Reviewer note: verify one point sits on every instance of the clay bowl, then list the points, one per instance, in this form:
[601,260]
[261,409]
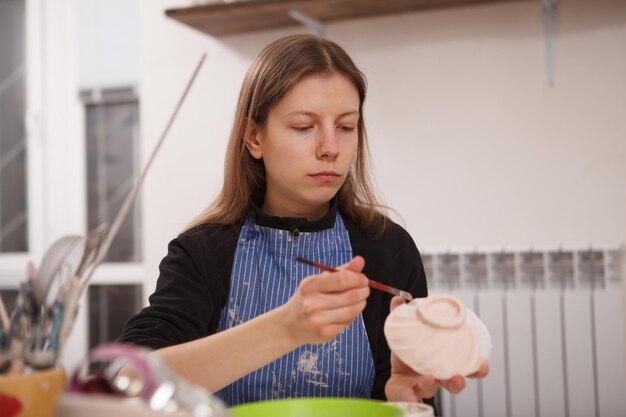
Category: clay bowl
[438,335]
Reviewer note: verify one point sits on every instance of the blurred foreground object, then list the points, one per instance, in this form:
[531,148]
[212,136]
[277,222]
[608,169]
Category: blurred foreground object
[131,381]
[31,395]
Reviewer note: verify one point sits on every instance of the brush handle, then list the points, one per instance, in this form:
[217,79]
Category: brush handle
[384,287]
[374,284]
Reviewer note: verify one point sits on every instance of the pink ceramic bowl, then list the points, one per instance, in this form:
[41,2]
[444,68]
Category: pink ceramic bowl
[438,335]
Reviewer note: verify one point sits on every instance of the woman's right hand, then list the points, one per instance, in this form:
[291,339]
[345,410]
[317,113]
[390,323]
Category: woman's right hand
[324,305]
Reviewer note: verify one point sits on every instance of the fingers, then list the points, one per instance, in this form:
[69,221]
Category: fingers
[408,385]
[401,388]
[327,303]
[340,281]
[410,388]
[454,385]
[356,264]
[426,386]
[321,309]
[326,324]
[457,383]
[482,372]
[344,314]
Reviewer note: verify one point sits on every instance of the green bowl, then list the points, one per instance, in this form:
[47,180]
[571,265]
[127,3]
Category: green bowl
[314,407]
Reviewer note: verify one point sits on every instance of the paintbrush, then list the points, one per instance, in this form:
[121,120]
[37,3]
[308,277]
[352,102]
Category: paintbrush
[78,284]
[4,316]
[374,284]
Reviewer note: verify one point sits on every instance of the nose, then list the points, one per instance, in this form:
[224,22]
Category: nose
[328,147]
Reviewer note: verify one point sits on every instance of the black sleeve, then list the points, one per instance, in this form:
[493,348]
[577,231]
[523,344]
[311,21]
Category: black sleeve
[191,290]
[391,258]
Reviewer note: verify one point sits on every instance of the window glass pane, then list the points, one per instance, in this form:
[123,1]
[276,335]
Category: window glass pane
[9,297]
[110,306]
[112,167]
[13,193]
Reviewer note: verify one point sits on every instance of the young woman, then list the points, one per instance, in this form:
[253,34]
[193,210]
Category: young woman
[233,310]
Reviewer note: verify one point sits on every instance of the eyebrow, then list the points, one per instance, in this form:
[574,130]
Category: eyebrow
[308,113]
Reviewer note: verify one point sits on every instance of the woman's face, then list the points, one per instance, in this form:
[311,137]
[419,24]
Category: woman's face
[307,144]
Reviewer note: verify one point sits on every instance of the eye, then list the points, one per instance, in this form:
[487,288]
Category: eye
[346,128]
[302,128]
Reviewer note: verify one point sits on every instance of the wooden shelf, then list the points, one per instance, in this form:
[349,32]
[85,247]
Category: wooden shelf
[239,16]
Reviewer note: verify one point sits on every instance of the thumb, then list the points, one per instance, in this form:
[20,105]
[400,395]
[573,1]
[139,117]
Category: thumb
[396,301]
[356,264]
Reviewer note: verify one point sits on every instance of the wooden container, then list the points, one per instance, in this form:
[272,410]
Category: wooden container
[31,395]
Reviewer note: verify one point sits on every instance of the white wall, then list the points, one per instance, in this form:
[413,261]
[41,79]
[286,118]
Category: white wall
[107,43]
[469,143]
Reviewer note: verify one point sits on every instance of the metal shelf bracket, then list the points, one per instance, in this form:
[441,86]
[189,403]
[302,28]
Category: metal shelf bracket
[549,27]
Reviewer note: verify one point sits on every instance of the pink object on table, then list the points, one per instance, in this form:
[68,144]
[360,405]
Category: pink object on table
[438,335]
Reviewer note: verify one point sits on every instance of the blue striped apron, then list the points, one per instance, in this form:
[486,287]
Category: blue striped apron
[264,276]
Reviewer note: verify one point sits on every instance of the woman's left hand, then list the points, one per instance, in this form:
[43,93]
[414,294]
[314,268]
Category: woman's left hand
[409,386]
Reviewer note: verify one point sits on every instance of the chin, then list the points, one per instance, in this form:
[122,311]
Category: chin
[320,198]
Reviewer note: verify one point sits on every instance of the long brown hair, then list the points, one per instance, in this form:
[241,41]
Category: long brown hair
[271,75]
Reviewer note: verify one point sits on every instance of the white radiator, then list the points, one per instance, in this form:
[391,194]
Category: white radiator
[557,323]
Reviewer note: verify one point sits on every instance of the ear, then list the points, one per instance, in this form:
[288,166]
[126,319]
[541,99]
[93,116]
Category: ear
[252,140]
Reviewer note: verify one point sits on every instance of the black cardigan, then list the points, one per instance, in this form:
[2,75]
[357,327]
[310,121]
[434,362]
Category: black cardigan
[194,280]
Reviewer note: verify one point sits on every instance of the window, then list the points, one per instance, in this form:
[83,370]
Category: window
[13,192]
[112,166]
[68,167]
[112,120]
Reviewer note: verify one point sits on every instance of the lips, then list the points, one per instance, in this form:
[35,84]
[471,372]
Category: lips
[325,176]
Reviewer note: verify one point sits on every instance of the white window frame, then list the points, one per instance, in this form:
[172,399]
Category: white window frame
[12,264]
[55,131]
